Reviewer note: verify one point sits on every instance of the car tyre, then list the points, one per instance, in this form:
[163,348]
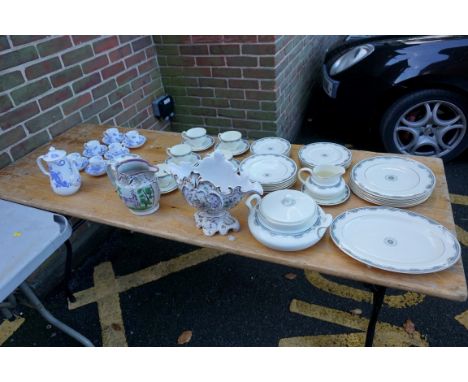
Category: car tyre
[430,122]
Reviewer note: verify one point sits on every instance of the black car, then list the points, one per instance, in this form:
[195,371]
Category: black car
[414,89]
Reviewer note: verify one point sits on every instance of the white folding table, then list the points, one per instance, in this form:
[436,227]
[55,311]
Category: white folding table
[28,236]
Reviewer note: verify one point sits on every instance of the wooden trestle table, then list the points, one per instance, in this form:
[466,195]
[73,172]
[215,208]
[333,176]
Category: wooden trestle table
[96,201]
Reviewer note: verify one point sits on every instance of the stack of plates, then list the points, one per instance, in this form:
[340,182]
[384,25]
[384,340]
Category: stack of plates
[322,153]
[271,145]
[272,171]
[392,181]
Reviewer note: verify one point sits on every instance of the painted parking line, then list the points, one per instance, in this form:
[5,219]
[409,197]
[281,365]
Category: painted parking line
[109,311]
[144,276]
[7,328]
[107,288]
[394,301]
[385,335]
[459,199]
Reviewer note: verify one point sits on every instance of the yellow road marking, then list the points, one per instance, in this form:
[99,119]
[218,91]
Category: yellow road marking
[463,319]
[7,328]
[459,199]
[110,314]
[462,235]
[395,301]
[385,335]
[150,274]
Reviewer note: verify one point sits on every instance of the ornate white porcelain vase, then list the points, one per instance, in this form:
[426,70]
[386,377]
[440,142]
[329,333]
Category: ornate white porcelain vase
[64,176]
[213,188]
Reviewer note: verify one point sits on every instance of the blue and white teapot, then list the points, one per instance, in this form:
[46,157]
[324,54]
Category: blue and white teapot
[64,176]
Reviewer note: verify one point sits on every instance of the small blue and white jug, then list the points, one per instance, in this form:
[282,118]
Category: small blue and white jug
[64,176]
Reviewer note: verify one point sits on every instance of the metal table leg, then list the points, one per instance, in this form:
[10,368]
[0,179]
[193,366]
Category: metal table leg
[68,271]
[377,301]
[36,304]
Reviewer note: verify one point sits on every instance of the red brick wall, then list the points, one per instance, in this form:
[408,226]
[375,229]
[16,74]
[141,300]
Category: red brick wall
[220,82]
[51,83]
[298,69]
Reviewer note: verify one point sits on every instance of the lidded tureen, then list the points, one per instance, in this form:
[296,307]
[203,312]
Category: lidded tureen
[213,187]
[287,220]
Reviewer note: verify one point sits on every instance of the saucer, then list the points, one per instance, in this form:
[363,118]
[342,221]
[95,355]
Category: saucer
[88,154]
[109,155]
[166,190]
[332,202]
[105,139]
[205,146]
[241,149]
[132,145]
[95,171]
[194,159]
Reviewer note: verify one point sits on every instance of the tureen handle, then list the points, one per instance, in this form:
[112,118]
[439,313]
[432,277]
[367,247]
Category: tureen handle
[324,225]
[250,199]
[304,169]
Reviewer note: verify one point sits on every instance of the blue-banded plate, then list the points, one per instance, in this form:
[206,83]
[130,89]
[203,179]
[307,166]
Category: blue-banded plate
[395,240]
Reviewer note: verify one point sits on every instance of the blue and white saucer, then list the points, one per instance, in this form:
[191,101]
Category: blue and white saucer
[88,154]
[108,141]
[95,170]
[109,155]
[134,145]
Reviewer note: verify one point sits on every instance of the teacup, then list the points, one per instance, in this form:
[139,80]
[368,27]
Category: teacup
[132,137]
[195,136]
[117,148]
[227,154]
[78,160]
[112,135]
[93,147]
[324,183]
[230,139]
[180,153]
[97,163]
[165,178]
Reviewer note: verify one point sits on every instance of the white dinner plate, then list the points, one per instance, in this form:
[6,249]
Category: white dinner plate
[268,169]
[271,145]
[321,153]
[395,240]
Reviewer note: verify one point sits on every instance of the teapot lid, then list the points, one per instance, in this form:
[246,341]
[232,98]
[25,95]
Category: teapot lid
[54,155]
[288,207]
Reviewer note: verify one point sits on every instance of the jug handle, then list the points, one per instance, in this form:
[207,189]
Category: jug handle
[41,167]
[250,199]
[304,169]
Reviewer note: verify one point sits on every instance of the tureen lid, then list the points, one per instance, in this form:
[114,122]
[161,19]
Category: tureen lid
[288,207]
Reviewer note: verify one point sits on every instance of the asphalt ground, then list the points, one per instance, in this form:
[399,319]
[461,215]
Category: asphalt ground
[179,295]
